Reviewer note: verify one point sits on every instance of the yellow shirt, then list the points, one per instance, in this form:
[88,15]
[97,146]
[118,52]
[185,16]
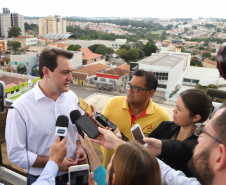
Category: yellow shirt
[117,110]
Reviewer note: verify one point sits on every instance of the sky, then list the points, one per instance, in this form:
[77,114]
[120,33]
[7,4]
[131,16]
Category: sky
[119,8]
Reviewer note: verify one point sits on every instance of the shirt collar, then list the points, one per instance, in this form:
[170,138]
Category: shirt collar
[149,110]
[39,94]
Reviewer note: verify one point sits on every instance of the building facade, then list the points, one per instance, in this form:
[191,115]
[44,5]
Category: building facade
[26,41]
[8,20]
[52,24]
[3,46]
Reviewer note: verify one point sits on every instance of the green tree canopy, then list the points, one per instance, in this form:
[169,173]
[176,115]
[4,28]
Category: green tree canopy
[14,32]
[195,62]
[73,47]
[14,44]
[122,53]
[206,54]
[132,55]
[94,47]
[137,45]
[126,46]
[149,48]
[21,69]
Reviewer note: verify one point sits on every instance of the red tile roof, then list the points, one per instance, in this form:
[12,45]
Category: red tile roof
[88,55]
[12,80]
[115,71]
[90,70]
[125,67]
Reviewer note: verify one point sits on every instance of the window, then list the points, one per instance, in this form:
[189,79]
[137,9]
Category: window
[17,90]
[161,76]
[103,79]
[12,92]
[187,80]
[162,86]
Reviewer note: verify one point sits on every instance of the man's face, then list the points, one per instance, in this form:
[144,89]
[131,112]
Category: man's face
[140,97]
[200,164]
[61,77]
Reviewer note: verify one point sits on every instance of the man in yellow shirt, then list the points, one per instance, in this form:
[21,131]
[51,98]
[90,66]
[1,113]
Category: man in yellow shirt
[135,107]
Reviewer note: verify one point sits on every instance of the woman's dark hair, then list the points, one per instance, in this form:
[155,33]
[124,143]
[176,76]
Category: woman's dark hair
[134,164]
[151,81]
[48,58]
[197,102]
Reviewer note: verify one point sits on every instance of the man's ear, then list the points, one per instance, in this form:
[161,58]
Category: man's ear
[113,178]
[220,158]
[45,72]
[151,93]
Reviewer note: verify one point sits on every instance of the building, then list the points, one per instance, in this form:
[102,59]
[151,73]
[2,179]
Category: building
[89,57]
[58,45]
[200,75]
[8,20]
[3,46]
[26,41]
[118,43]
[86,75]
[168,69]
[30,61]
[209,63]
[113,78]
[52,24]
[44,41]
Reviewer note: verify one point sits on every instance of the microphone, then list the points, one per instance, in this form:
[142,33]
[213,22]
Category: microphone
[75,115]
[61,126]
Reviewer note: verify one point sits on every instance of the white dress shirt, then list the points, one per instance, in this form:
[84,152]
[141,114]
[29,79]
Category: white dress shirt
[38,125]
[174,177]
[48,175]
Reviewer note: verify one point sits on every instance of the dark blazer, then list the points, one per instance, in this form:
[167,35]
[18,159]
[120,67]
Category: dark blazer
[174,153]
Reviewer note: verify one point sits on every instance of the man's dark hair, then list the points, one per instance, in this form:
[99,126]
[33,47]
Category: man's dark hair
[151,81]
[48,58]
[220,125]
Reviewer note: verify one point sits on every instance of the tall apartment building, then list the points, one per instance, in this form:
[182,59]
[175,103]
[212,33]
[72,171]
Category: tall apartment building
[52,24]
[8,20]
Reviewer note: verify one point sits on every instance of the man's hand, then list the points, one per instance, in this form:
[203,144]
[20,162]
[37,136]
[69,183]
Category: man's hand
[107,139]
[80,156]
[86,144]
[155,145]
[67,162]
[58,150]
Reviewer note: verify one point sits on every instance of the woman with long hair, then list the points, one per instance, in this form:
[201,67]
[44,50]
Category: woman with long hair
[174,141]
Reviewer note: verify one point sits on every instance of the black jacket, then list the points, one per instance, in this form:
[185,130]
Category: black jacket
[174,153]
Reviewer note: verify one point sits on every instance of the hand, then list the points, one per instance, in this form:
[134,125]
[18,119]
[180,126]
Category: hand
[58,150]
[66,163]
[155,145]
[107,139]
[80,156]
[91,117]
[86,144]
[116,132]
[91,179]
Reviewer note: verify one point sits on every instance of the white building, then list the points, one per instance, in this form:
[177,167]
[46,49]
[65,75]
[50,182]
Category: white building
[8,20]
[118,43]
[77,59]
[168,70]
[200,75]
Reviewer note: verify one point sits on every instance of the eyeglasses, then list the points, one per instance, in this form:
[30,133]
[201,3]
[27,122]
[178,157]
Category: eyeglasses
[135,89]
[200,128]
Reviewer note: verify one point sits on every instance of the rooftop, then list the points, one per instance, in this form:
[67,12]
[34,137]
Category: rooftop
[88,55]
[12,80]
[160,59]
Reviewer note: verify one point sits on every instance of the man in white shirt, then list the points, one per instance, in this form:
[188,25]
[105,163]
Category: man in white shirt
[31,125]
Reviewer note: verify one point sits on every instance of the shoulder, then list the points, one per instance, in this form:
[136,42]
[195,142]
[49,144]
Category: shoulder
[25,98]
[117,100]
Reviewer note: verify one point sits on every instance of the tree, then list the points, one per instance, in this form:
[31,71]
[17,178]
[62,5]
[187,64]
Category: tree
[14,32]
[102,49]
[75,47]
[206,54]
[194,27]
[21,69]
[126,46]
[14,44]
[122,53]
[149,48]
[137,45]
[94,47]
[201,48]
[195,62]
[141,53]
[214,58]
[218,30]
[132,55]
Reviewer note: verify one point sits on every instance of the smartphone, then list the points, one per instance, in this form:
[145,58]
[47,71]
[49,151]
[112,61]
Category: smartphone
[84,106]
[138,134]
[87,126]
[79,175]
[104,121]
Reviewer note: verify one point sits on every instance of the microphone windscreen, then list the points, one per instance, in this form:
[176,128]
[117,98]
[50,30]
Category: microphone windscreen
[75,115]
[62,121]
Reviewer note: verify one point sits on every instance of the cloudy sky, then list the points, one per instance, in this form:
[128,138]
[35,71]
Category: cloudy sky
[119,8]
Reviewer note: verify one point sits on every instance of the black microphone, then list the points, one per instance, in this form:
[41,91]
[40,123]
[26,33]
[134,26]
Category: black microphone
[75,115]
[61,126]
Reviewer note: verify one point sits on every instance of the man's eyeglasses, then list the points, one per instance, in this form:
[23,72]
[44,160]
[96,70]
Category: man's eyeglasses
[135,89]
[200,128]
